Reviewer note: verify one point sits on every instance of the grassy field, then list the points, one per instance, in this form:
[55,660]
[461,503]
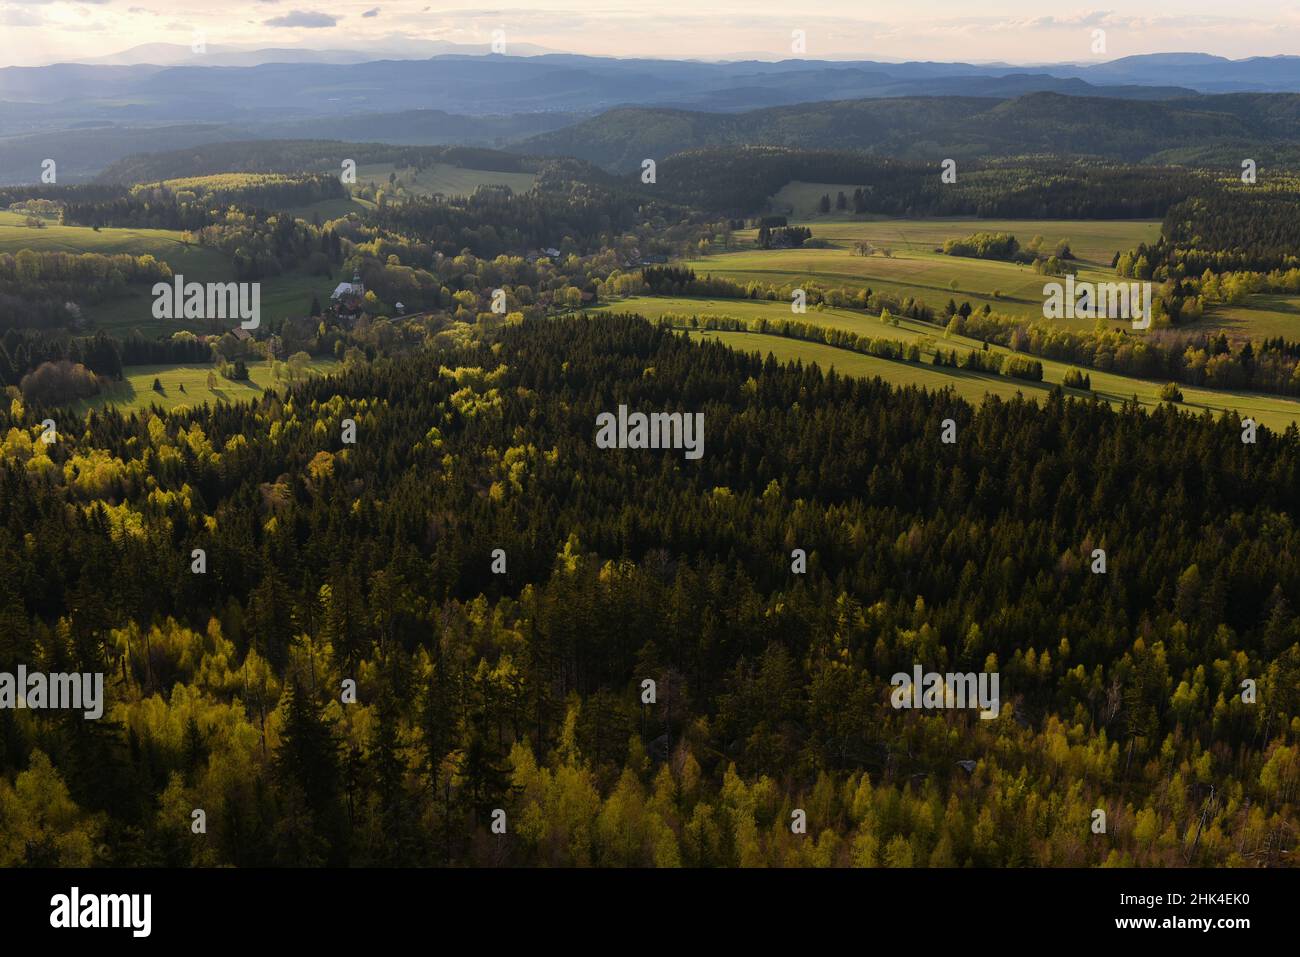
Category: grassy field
[1274,411]
[442,178]
[160,243]
[915,269]
[136,392]
[971,386]
[1093,242]
[328,209]
[800,200]
[656,307]
[134,310]
[282,296]
[1264,315]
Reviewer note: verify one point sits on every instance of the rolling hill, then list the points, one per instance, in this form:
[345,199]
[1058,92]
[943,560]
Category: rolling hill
[294,156]
[85,153]
[1218,130]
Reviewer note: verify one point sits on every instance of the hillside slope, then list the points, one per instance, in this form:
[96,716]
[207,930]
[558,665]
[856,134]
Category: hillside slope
[1216,129]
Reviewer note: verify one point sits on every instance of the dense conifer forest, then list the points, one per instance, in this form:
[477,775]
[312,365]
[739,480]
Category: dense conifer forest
[521,690]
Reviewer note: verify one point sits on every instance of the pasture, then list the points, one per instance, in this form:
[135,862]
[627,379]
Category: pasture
[136,391]
[443,178]
[283,296]
[1271,410]
[1264,315]
[167,244]
[905,262]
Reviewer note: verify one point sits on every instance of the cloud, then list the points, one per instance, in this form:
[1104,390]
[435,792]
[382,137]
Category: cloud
[304,18]
[13,17]
[372,12]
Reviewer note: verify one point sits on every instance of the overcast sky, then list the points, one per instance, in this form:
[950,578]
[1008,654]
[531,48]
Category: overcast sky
[44,31]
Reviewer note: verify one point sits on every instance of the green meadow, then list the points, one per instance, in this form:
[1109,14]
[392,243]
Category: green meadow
[282,297]
[800,201]
[136,391]
[1274,411]
[443,178]
[1264,315]
[167,244]
[1093,242]
[328,209]
[906,264]
[913,267]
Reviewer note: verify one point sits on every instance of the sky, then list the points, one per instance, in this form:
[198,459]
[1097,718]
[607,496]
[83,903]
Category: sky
[45,31]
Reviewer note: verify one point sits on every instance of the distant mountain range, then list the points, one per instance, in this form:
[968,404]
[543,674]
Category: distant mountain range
[391,47]
[274,84]
[615,112]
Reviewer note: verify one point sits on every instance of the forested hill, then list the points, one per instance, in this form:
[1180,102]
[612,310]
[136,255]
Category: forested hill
[1209,129]
[742,180]
[301,155]
[521,690]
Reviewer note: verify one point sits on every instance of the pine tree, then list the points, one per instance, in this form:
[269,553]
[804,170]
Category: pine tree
[307,768]
[387,771]
[483,774]
[435,727]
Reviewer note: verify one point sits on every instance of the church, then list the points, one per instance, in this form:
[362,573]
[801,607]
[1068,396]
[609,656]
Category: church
[355,289]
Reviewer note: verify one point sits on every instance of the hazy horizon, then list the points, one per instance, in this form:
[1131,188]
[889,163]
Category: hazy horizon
[52,31]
